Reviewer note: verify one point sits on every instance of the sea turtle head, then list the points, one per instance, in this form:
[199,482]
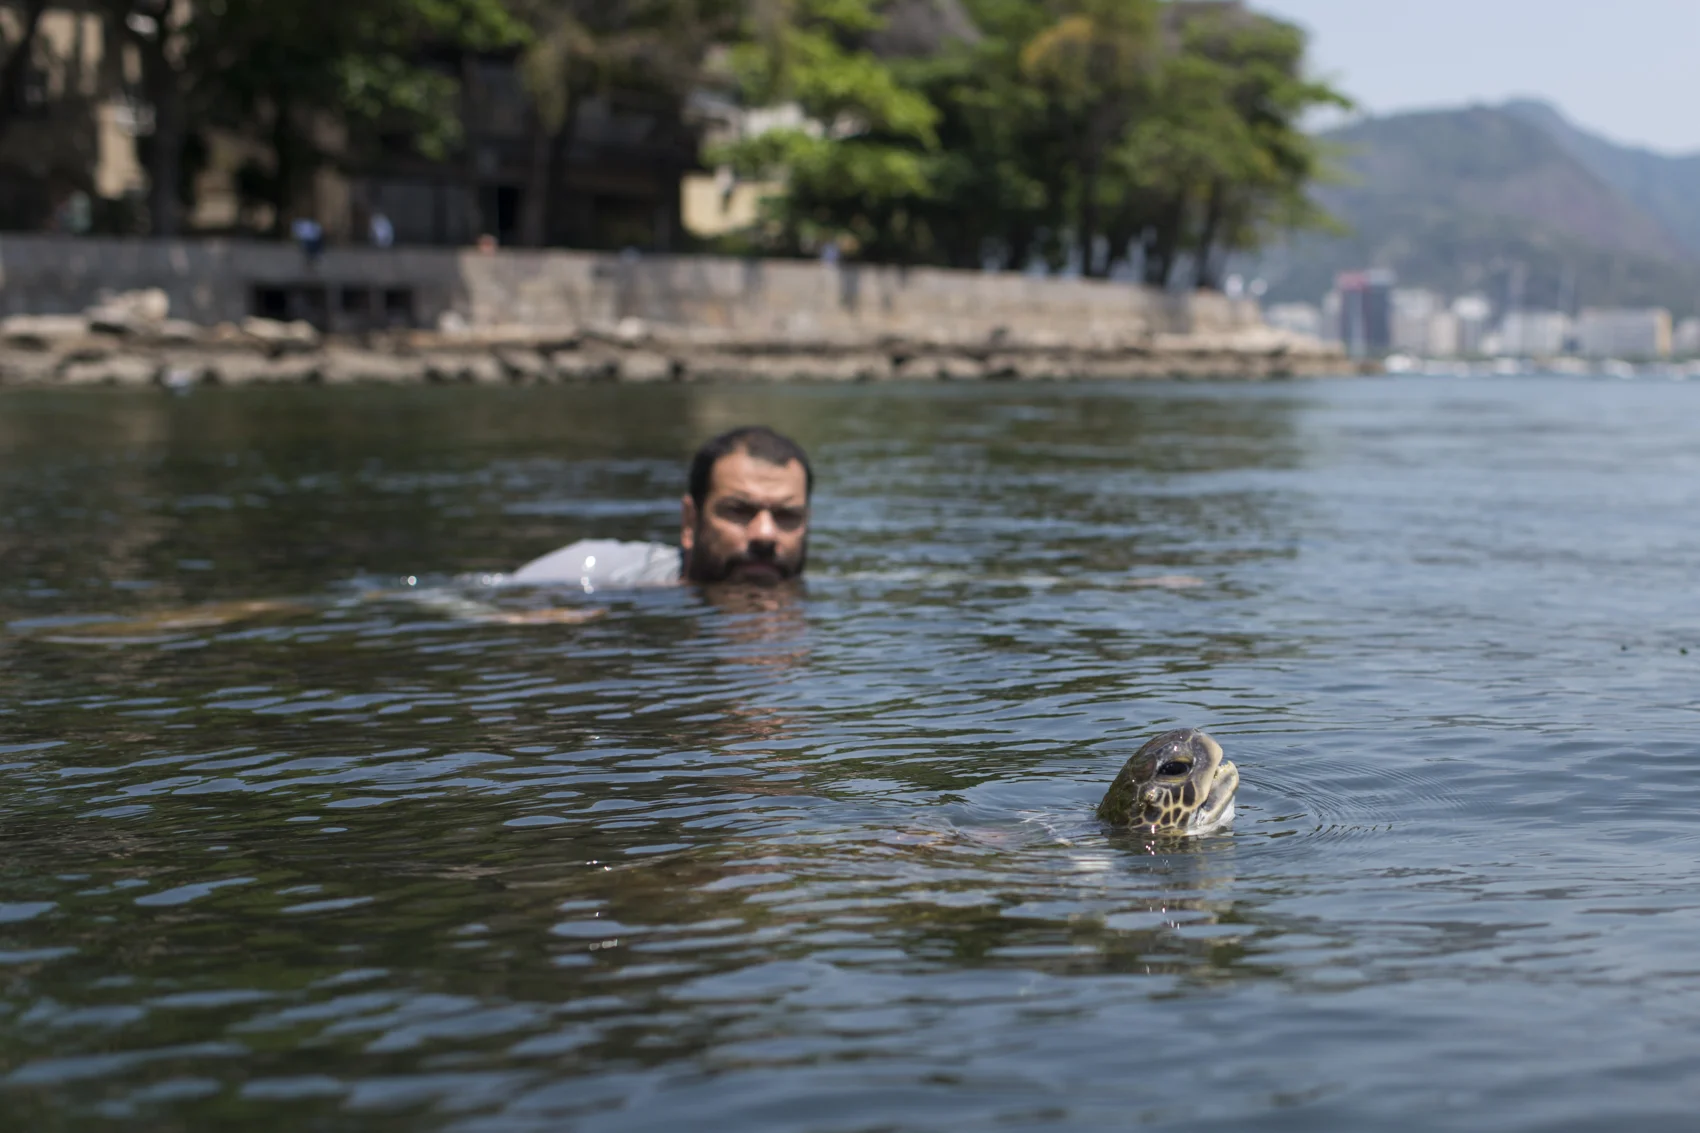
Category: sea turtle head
[1178,783]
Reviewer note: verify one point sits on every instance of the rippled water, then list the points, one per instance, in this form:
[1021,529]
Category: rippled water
[829,863]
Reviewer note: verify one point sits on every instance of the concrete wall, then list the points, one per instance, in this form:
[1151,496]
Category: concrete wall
[213,281]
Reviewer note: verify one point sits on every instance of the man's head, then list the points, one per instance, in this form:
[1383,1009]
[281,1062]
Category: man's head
[746,517]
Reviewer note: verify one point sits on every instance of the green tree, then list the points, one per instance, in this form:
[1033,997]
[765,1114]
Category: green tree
[18,51]
[1098,64]
[1255,178]
[295,74]
[858,161]
[998,177]
[1067,129]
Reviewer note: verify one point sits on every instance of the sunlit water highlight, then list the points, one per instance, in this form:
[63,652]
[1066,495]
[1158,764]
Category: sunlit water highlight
[743,863]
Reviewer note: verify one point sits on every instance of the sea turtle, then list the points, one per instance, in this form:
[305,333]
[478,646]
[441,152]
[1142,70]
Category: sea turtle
[1178,783]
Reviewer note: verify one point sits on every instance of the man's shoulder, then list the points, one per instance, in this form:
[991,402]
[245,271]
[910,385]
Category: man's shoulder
[599,564]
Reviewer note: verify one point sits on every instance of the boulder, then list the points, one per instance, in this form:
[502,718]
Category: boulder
[297,368]
[486,370]
[760,368]
[860,367]
[458,366]
[130,312]
[177,332]
[232,368]
[280,337]
[940,367]
[646,366]
[583,365]
[42,332]
[118,370]
[711,366]
[1032,367]
[448,367]
[341,366]
[524,365]
[31,367]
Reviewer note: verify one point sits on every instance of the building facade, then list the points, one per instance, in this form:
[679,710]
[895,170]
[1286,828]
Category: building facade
[1534,334]
[72,142]
[1366,312]
[1626,334]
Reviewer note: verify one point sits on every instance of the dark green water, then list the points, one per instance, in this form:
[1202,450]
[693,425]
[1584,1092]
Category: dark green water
[828,864]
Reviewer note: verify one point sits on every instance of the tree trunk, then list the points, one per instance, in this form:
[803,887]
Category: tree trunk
[534,208]
[555,171]
[1088,234]
[165,155]
[1164,242]
[1119,234]
[12,74]
[1204,276]
[283,171]
[471,107]
[1020,246]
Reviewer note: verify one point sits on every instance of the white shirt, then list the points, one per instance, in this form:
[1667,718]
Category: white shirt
[605,564]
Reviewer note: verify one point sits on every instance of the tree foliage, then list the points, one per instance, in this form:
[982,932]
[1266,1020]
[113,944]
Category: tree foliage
[293,75]
[1070,131]
[859,162]
[1079,133]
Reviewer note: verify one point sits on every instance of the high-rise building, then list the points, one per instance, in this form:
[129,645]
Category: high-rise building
[1627,334]
[1366,311]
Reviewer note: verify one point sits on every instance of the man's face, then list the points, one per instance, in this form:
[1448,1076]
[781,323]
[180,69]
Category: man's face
[753,525]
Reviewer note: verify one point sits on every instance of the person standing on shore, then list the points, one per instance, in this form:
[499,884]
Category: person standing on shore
[744,518]
[310,235]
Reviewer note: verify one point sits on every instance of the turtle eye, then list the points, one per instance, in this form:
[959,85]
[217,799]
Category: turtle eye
[1174,767]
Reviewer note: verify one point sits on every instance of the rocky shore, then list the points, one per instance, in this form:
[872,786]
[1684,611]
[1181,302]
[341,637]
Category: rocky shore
[131,341]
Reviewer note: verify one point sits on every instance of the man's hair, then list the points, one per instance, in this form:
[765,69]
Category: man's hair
[760,442]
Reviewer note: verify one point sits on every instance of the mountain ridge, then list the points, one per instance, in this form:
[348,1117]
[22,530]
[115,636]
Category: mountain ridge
[1666,186]
[1513,200]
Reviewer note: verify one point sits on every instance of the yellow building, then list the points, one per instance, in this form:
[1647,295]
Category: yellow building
[717,204]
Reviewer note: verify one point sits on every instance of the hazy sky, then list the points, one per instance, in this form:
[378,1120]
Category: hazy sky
[1629,69]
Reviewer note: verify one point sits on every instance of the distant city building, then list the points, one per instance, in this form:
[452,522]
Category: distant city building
[1300,318]
[1366,311]
[1626,334]
[1443,335]
[1534,334]
[1472,313]
[1331,317]
[1414,311]
[1686,340]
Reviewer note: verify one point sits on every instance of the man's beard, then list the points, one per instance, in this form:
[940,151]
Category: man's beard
[758,564]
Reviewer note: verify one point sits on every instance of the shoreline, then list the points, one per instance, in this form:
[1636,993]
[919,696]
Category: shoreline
[91,350]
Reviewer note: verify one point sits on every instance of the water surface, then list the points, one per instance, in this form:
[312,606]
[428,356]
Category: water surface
[827,863]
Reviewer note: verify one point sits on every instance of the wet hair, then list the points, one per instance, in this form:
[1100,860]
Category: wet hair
[760,442]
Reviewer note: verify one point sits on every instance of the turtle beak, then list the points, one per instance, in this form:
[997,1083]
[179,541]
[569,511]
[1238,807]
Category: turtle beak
[1218,803]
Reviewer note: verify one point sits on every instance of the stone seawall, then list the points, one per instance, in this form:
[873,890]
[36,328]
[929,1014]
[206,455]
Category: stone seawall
[135,311]
[208,282]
